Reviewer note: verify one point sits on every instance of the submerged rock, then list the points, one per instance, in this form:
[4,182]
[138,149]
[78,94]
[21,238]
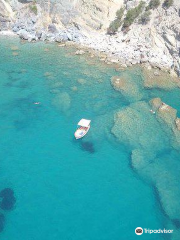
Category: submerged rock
[62,101]
[8,199]
[2,222]
[81,81]
[130,88]
[148,156]
[54,91]
[176,222]
[14,48]
[178,123]
[79,52]
[23,70]
[48,74]
[167,114]
[156,103]
[163,172]
[15,53]
[8,203]
[74,88]
[57,85]
[167,117]
[149,137]
[140,160]
[135,126]
[6,192]
[159,79]
[20,125]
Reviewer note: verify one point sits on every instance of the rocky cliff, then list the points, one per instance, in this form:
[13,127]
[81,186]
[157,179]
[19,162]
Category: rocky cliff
[157,42]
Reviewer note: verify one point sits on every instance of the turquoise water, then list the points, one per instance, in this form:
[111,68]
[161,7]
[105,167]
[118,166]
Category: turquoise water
[67,189]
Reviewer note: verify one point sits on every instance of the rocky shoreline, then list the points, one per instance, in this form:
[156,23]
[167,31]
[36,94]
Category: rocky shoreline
[84,45]
[85,24]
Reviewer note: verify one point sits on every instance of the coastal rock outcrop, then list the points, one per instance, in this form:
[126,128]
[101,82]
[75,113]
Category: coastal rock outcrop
[86,23]
[137,127]
[160,80]
[177,121]
[167,117]
[162,172]
[150,137]
[129,88]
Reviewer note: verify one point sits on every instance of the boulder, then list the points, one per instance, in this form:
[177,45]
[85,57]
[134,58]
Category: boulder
[38,34]
[15,29]
[79,52]
[43,36]
[156,103]
[52,28]
[61,37]
[23,34]
[69,36]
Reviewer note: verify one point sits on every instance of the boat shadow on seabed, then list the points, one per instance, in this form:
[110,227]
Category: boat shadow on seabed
[85,145]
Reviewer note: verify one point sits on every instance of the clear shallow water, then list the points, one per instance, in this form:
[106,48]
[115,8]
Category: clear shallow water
[67,189]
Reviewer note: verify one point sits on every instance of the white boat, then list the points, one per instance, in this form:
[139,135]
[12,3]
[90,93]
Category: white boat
[83,128]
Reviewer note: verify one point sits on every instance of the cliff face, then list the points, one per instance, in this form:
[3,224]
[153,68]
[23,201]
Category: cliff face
[86,22]
[87,13]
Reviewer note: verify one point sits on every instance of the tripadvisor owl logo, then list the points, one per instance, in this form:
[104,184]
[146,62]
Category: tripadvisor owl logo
[139,231]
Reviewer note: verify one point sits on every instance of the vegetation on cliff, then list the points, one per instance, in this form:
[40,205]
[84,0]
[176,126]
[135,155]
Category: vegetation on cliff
[153,4]
[132,14]
[33,7]
[145,18]
[117,22]
[168,3]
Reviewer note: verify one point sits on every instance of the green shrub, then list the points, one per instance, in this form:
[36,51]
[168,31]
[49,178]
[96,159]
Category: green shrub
[132,14]
[33,8]
[168,3]
[145,18]
[114,26]
[153,4]
[119,13]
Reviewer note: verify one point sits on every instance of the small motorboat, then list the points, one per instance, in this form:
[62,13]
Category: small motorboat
[83,128]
